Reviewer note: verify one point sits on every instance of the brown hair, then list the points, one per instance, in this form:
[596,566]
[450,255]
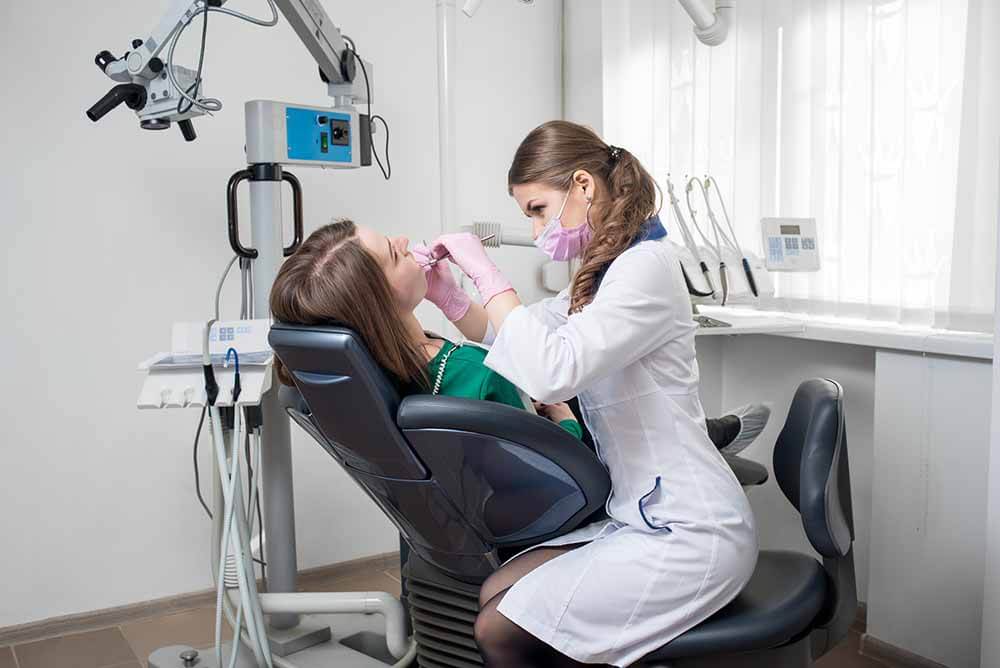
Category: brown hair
[551,153]
[332,279]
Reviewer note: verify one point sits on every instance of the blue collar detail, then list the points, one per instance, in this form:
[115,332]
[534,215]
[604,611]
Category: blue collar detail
[651,230]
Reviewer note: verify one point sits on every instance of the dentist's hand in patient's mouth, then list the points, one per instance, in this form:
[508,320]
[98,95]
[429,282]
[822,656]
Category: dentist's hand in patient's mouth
[468,254]
[555,412]
[442,290]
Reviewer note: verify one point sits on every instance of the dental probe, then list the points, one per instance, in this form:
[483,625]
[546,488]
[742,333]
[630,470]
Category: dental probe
[434,261]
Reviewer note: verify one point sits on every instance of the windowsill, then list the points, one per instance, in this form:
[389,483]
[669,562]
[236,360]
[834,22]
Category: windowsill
[851,331]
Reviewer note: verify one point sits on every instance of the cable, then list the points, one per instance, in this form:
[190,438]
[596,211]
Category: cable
[385,173]
[255,504]
[205,355]
[243,288]
[734,243]
[233,610]
[246,289]
[201,61]
[197,476]
[731,242]
[209,104]
[246,453]
[251,309]
[218,288]
[717,248]
[681,225]
[387,169]
[230,486]
[265,23]
[236,538]
[251,490]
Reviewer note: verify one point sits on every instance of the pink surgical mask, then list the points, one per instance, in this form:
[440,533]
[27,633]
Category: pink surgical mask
[561,243]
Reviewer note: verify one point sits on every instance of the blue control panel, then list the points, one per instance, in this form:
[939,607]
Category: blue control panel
[320,136]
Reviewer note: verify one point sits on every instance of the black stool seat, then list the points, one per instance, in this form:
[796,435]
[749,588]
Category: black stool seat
[749,473]
[784,596]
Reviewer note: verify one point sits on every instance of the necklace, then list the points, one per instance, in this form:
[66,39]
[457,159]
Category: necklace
[440,373]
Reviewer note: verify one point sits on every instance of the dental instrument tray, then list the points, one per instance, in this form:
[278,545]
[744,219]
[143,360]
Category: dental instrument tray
[175,379]
[194,361]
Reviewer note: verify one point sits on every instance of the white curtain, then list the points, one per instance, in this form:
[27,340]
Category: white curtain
[877,117]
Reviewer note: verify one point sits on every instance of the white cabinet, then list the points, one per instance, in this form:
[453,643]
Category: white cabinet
[929,490]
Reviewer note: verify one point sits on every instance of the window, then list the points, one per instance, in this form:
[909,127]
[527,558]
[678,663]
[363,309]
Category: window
[877,117]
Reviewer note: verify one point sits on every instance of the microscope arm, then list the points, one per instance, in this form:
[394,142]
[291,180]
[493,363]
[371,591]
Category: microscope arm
[139,71]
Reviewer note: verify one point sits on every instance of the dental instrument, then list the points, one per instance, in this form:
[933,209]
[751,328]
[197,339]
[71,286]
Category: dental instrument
[731,241]
[717,246]
[691,245]
[434,261]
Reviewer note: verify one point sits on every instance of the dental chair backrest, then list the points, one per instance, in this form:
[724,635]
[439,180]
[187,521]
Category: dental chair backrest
[811,468]
[462,480]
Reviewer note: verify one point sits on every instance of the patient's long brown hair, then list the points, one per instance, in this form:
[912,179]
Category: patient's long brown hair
[551,153]
[333,280]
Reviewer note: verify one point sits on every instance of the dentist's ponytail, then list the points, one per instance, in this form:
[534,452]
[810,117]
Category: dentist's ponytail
[551,153]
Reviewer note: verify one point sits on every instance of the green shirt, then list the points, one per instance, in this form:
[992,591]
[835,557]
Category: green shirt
[466,376]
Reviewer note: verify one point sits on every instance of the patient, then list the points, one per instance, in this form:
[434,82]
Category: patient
[353,276]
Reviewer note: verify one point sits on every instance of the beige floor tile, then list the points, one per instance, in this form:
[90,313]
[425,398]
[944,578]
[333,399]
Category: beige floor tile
[197,628]
[376,581]
[194,627]
[394,575]
[95,649]
[846,655]
[7,658]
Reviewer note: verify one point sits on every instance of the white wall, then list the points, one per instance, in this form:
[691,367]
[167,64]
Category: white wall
[583,68]
[114,233]
[509,81]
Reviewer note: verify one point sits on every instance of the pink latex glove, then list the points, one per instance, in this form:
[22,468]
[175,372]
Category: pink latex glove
[467,252]
[442,290]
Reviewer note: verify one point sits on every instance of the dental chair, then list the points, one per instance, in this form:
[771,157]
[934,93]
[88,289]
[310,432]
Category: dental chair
[469,483]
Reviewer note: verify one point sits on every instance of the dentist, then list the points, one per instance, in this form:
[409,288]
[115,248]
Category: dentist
[679,542]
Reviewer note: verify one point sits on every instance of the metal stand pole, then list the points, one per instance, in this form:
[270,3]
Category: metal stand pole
[276,454]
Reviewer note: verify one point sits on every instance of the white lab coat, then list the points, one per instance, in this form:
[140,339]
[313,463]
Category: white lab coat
[681,542]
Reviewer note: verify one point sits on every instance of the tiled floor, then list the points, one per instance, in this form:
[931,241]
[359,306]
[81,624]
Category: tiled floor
[846,655]
[97,649]
[128,645]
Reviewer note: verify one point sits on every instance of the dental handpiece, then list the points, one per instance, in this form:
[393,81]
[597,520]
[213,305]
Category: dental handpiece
[434,261]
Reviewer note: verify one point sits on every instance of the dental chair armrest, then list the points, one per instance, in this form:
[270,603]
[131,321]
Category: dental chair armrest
[749,473]
[425,411]
[488,418]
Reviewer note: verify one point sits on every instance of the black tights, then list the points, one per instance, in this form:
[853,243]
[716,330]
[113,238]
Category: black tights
[503,643]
